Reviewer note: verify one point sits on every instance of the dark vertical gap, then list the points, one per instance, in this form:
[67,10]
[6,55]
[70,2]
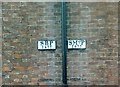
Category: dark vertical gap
[64,42]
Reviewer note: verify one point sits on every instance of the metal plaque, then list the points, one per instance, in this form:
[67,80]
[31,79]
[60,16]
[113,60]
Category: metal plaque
[46,45]
[76,44]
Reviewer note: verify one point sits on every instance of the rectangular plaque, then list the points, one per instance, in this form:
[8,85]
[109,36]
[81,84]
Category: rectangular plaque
[46,45]
[76,44]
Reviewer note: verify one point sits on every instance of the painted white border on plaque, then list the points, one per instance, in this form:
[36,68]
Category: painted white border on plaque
[46,44]
[76,44]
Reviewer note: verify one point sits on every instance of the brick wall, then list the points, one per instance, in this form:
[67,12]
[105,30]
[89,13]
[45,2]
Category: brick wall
[97,23]
[26,23]
[23,25]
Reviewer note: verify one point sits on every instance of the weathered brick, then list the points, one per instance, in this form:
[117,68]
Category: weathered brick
[99,31]
[6,69]
[27,22]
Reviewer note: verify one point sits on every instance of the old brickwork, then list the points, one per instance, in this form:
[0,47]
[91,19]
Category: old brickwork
[27,22]
[23,25]
[97,23]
